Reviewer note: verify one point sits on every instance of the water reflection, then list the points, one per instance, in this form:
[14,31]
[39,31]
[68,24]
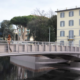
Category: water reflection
[51,75]
[12,74]
[9,71]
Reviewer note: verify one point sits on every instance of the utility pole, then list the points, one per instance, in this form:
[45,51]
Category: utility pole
[49,34]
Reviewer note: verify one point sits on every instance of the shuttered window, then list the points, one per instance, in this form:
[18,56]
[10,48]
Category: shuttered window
[62,23]
[79,21]
[79,12]
[71,34]
[79,42]
[71,22]
[62,14]
[71,13]
[62,33]
[79,32]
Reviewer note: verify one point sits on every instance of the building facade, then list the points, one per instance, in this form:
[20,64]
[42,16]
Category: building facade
[24,34]
[68,26]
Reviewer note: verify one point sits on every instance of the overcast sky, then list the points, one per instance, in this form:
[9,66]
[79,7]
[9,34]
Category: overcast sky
[11,8]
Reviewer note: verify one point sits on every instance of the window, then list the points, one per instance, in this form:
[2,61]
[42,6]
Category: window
[0,25]
[79,42]
[79,32]
[71,22]
[71,34]
[79,21]
[71,13]
[62,33]
[79,12]
[19,32]
[62,23]
[61,42]
[23,29]
[62,14]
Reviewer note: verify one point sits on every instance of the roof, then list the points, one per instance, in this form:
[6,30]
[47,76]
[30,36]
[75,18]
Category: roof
[68,9]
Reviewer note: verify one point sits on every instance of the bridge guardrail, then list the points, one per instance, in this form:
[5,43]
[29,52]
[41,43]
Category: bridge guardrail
[36,46]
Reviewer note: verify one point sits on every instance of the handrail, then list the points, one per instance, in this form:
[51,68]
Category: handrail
[37,46]
[39,42]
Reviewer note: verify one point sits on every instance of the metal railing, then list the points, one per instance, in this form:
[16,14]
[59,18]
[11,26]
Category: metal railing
[71,37]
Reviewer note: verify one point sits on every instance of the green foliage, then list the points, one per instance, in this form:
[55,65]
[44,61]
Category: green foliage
[6,28]
[52,22]
[22,20]
[39,28]
[38,25]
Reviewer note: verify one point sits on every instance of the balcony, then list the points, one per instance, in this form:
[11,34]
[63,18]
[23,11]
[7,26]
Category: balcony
[70,38]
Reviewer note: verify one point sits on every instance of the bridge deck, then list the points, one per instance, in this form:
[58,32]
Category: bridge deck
[33,48]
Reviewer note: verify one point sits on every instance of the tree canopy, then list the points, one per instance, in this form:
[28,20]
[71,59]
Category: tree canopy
[38,28]
[38,25]
[6,28]
[22,20]
[52,22]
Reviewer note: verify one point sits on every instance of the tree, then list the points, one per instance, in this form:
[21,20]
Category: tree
[52,22]
[22,21]
[39,28]
[6,28]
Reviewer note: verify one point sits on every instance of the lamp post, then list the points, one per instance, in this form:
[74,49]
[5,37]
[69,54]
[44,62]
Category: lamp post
[18,32]
[49,34]
[28,31]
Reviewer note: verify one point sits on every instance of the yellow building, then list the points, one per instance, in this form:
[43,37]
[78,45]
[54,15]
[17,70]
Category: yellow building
[68,26]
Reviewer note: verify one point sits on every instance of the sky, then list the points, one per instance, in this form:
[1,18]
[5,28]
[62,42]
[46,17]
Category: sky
[12,8]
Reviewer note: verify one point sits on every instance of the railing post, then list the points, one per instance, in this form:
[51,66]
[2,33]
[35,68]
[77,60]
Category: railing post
[71,48]
[18,47]
[49,47]
[62,47]
[25,47]
[75,48]
[8,49]
[35,46]
[79,49]
[43,46]
[56,46]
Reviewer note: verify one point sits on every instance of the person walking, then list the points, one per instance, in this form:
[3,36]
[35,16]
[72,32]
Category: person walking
[9,40]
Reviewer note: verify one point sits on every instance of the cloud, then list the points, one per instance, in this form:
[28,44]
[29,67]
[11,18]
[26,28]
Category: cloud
[11,8]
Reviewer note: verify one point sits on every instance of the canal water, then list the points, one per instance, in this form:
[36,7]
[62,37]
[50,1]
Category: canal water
[11,74]
[9,71]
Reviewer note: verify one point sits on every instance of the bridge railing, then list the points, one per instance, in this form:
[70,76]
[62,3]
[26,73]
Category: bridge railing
[36,46]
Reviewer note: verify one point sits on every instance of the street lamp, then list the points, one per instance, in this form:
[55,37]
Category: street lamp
[18,32]
[49,34]
[28,31]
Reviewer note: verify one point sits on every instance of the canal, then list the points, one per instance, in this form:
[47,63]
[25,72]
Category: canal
[9,71]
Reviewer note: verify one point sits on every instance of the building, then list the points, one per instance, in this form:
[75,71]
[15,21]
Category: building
[24,34]
[68,26]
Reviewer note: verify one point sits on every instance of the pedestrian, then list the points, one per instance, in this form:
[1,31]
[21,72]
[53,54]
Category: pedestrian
[9,40]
